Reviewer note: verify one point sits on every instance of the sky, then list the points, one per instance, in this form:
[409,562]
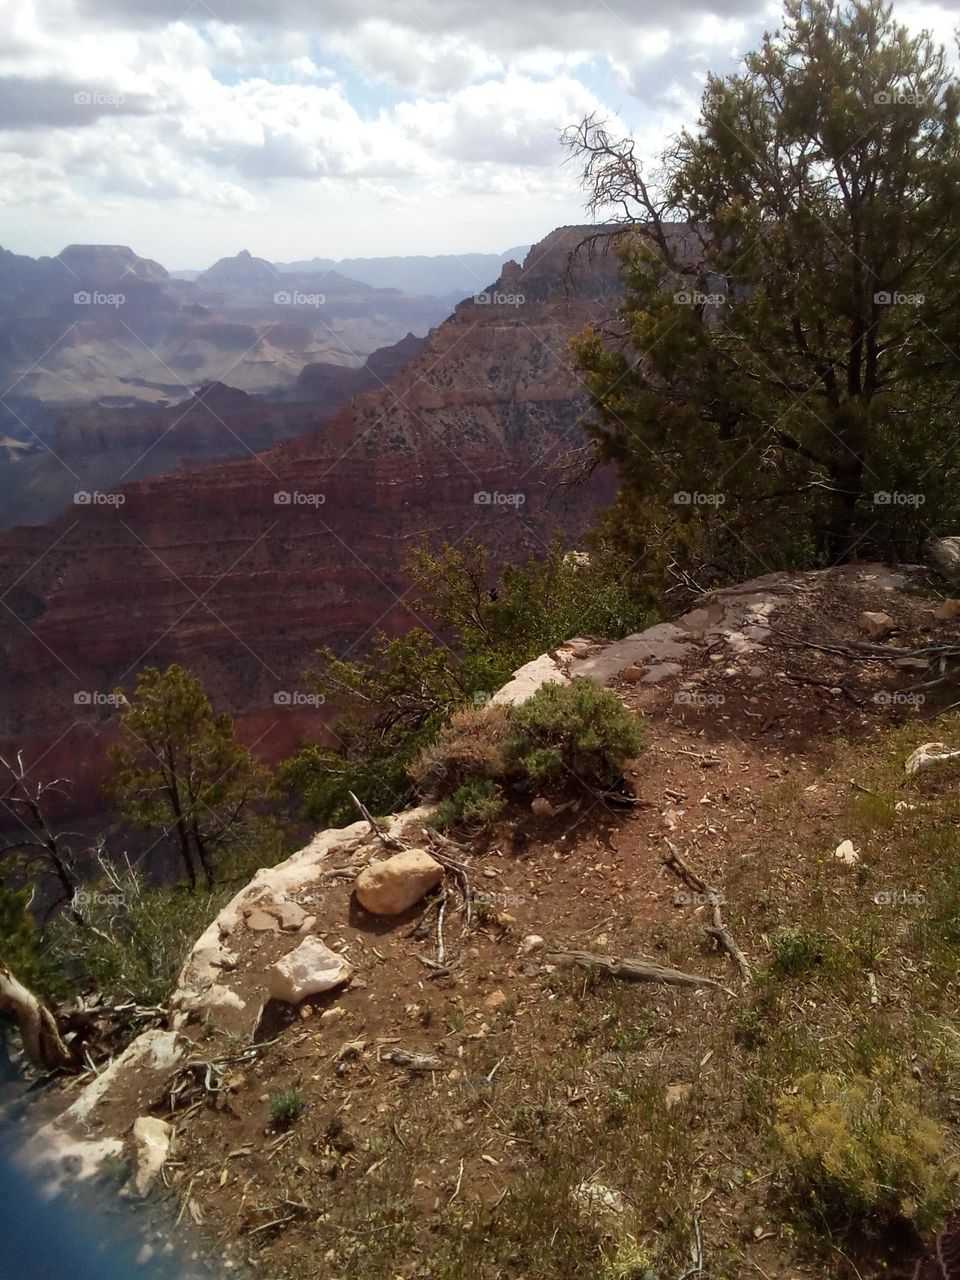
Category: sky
[337,128]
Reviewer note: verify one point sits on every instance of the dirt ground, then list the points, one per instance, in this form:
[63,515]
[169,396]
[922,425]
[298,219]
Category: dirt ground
[388,1169]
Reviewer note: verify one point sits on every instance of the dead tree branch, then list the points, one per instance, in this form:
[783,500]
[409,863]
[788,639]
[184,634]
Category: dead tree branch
[632,970]
[717,929]
[38,1027]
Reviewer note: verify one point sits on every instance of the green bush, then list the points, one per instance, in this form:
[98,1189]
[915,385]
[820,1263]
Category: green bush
[472,807]
[565,733]
[286,1107]
[859,1146]
[798,952]
[576,731]
[18,935]
[394,702]
[133,940]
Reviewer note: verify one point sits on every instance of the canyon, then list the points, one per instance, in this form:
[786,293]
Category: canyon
[98,324]
[90,448]
[241,571]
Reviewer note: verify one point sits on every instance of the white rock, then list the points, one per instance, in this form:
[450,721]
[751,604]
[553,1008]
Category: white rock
[151,1138]
[929,754]
[390,887]
[532,942]
[528,679]
[594,1195]
[307,971]
[846,853]
[944,555]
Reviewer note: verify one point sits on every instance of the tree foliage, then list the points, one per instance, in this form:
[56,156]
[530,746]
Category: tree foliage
[184,771]
[18,933]
[476,632]
[784,390]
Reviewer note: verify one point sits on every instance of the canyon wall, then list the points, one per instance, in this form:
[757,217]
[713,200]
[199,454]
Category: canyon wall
[241,571]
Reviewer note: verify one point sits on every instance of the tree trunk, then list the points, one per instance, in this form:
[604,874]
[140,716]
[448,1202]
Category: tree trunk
[204,856]
[38,1028]
[846,477]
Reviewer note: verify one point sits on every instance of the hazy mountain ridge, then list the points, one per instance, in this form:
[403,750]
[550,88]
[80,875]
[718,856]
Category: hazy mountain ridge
[98,324]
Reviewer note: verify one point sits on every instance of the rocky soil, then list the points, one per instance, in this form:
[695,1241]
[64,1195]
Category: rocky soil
[442,1066]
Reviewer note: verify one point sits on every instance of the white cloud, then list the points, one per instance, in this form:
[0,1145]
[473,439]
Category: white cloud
[335,120]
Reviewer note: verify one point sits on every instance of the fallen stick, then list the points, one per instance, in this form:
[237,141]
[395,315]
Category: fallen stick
[412,1061]
[458,869]
[441,950]
[388,842]
[826,684]
[632,970]
[717,930]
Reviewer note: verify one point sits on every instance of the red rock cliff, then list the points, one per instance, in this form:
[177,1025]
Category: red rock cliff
[241,571]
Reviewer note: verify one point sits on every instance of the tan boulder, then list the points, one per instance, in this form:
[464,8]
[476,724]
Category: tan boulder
[876,625]
[949,611]
[390,887]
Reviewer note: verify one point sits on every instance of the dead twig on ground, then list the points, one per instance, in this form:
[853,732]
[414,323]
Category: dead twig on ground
[696,1253]
[717,929]
[202,1078]
[819,683]
[457,868]
[865,651]
[412,1061]
[441,950]
[388,841]
[632,970]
